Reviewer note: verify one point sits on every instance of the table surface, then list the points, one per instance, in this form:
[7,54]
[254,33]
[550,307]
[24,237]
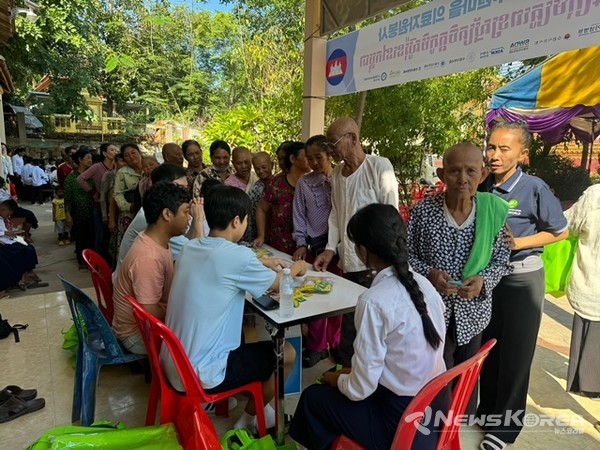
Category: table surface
[341,299]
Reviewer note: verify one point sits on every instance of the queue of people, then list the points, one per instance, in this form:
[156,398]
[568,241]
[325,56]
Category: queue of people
[466,268]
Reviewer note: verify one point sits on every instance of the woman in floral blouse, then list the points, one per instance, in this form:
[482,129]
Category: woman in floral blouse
[278,199]
[126,183]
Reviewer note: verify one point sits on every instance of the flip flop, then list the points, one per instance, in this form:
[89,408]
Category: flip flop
[23,394]
[15,407]
[37,284]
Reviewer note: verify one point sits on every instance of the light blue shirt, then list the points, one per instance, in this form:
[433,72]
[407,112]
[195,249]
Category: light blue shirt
[206,303]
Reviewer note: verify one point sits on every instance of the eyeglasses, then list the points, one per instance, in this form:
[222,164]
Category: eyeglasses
[332,145]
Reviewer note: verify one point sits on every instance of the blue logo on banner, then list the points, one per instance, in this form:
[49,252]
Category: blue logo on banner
[336,67]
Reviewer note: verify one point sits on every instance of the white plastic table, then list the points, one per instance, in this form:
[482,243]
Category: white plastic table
[340,300]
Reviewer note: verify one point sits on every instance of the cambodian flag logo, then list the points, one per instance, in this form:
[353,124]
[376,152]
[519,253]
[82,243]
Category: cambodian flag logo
[336,67]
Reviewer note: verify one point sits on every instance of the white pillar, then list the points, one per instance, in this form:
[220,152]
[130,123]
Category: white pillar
[315,53]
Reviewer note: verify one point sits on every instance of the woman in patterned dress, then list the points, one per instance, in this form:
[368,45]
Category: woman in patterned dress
[277,202]
[79,205]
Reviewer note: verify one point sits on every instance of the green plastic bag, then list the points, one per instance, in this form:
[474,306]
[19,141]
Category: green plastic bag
[558,262]
[106,436]
[241,439]
[71,343]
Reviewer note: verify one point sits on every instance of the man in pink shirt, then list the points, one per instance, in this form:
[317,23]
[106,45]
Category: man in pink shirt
[147,271]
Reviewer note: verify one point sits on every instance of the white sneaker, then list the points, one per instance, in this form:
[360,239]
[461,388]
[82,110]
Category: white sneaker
[211,408]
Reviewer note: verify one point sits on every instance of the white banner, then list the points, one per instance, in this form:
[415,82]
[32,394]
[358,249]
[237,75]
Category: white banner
[450,36]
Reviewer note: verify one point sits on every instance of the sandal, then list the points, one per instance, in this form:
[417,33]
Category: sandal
[11,390]
[491,442]
[37,284]
[311,358]
[15,407]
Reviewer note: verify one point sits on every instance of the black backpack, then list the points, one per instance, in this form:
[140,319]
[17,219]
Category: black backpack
[6,329]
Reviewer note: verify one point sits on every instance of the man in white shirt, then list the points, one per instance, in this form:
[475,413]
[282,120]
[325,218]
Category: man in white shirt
[358,180]
[39,182]
[17,162]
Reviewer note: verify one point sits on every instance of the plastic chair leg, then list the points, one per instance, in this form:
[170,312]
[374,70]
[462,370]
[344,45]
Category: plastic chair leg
[222,409]
[91,370]
[76,409]
[153,401]
[260,412]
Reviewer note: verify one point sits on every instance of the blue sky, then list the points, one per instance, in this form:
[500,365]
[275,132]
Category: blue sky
[210,5]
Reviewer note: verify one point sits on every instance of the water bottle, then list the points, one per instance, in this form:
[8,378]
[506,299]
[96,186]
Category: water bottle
[286,295]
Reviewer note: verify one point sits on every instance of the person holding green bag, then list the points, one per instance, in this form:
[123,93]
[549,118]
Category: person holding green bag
[582,293]
[536,219]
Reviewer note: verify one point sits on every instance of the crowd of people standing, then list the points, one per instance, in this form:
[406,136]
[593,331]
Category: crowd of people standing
[465,269]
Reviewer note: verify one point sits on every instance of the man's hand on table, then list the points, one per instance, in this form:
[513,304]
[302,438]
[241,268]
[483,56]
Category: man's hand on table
[275,264]
[322,261]
[300,253]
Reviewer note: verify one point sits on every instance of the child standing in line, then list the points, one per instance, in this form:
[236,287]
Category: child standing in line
[59,217]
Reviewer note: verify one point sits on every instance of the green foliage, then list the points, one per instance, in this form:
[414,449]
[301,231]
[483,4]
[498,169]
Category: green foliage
[567,181]
[407,121]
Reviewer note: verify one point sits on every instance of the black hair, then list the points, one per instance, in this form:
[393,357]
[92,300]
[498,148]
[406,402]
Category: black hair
[520,126]
[164,194]
[104,148]
[294,148]
[283,146]
[187,144]
[217,145]
[19,150]
[380,229]
[207,185]
[2,182]
[167,172]
[223,203]
[126,146]
[319,140]
[81,153]
[11,204]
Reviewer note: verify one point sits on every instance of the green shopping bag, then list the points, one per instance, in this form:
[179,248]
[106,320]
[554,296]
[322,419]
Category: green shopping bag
[107,436]
[558,262]
[241,439]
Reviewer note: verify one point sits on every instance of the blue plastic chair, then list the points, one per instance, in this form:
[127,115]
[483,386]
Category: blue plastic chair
[98,346]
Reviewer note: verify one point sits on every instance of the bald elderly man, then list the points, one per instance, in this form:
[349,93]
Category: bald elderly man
[172,154]
[458,240]
[357,181]
[243,178]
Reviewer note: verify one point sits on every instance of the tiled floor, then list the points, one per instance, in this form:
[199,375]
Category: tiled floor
[38,361]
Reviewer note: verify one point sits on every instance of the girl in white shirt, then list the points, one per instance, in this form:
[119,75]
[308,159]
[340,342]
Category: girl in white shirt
[398,348]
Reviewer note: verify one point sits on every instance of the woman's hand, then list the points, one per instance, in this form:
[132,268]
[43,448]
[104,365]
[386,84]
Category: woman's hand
[441,282]
[10,234]
[275,264]
[331,378]
[258,242]
[69,220]
[112,225]
[300,253]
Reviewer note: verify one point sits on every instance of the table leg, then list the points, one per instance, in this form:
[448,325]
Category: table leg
[279,340]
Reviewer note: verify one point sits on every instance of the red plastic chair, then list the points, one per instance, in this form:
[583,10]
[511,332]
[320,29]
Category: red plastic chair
[466,375]
[195,429]
[155,333]
[102,279]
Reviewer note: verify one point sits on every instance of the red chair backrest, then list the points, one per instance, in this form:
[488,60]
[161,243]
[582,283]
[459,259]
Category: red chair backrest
[156,335]
[466,375]
[102,280]
[195,429]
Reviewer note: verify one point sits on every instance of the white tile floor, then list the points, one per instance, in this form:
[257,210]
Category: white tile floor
[38,361]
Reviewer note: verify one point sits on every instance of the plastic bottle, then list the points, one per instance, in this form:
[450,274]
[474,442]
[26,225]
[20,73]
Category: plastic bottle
[286,295]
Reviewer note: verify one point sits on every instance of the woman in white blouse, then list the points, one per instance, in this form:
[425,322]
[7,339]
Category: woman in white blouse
[398,348]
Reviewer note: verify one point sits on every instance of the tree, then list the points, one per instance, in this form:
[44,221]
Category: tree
[63,43]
